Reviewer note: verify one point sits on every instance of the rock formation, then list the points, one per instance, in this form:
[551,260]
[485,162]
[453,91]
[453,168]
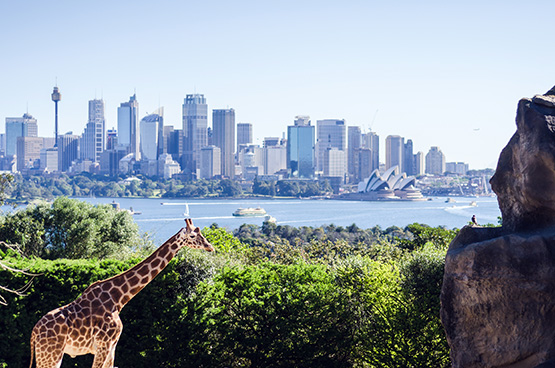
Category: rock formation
[498,294]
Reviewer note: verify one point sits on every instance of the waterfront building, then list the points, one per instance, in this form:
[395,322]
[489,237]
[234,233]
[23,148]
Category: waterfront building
[435,161]
[300,148]
[331,133]
[68,150]
[391,185]
[93,141]
[28,152]
[244,134]
[128,126]
[195,131]
[394,146]
[354,137]
[459,168]
[152,135]
[223,124]
[25,126]
[210,162]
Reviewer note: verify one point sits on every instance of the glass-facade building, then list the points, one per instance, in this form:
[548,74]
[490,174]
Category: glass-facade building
[195,130]
[223,124]
[300,149]
[128,126]
[25,126]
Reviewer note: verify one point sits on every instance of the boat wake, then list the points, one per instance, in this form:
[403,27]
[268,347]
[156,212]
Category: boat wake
[182,218]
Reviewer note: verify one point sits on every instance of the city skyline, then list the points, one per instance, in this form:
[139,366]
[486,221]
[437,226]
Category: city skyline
[440,74]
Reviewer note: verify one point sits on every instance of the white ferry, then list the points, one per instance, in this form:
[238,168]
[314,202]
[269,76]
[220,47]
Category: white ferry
[249,212]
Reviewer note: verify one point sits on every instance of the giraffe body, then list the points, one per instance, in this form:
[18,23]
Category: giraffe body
[91,324]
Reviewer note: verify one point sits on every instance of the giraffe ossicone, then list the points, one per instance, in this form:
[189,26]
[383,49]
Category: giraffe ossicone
[91,324]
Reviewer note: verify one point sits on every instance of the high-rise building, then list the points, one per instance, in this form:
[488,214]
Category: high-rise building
[435,161]
[111,138]
[195,130]
[28,152]
[371,141]
[128,126]
[419,166]
[152,135]
[459,168]
[408,158]
[175,144]
[365,166]
[334,163]
[68,150]
[25,126]
[394,149]
[331,133]
[49,159]
[354,137]
[275,158]
[93,142]
[300,148]
[210,162]
[223,123]
[244,134]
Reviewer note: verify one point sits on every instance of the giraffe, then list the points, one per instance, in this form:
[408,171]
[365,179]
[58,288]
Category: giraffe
[91,324]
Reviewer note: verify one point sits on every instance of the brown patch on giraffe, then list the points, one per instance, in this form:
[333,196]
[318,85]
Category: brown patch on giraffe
[155,263]
[133,280]
[143,271]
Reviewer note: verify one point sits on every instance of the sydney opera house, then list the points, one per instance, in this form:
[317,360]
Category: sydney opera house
[391,185]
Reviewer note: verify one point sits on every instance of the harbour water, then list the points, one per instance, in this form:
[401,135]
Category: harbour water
[161,218]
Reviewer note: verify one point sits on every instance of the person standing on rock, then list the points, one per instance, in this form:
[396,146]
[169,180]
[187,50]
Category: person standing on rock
[474,222]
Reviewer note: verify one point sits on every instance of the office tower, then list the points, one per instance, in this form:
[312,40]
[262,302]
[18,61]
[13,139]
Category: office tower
[300,148]
[195,130]
[175,144]
[371,141]
[56,97]
[25,126]
[331,133]
[210,162]
[334,162]
[244,134]
[128,126]
[223,123]
[459,168]
[271,141]
[49,159]
[152,135]
[394,147]
[354,138]
[2,144]
[167,167]
[68,150]
[28,152]
[111,139]
[408,158]
[435,161]
[275,158]
[93,142]
[109,161]
[419,167]
[365,165]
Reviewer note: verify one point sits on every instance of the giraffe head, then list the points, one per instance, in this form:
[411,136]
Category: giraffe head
[194,238]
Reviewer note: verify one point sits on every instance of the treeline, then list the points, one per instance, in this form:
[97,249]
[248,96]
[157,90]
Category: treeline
[270,296]
[90,185]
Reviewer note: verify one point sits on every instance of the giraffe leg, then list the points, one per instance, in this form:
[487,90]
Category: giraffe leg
[104,356]
[50,355]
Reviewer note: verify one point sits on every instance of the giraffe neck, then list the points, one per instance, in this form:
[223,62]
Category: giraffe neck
[126,285]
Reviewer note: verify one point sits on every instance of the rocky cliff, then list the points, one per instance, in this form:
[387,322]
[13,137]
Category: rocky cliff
[498,295]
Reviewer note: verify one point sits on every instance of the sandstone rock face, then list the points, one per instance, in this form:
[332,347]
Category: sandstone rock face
[498,294]
[524,180]
[498,298]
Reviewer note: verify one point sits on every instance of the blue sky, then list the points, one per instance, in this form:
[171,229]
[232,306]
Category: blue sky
[445,74]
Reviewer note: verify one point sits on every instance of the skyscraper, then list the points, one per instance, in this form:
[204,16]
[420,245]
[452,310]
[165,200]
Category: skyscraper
[152,138]
[25,126]
[68,149]
[408,158]
[210,162]
[93,136]
[331,133]
[195,134]
[223,123]
[435,161]
[244,134]
[128,126]
[394,148]
[354,137]
[300,148]
[372,141]
[28,152]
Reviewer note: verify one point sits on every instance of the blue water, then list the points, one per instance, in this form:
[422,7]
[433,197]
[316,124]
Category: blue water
[162,220]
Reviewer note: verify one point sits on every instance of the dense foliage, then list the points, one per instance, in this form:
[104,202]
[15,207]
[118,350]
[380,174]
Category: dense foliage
[89,185]
[271,296]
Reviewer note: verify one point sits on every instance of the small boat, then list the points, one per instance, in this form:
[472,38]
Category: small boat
[473,204]
[249,212]
[116,206]
[270,218]
[450,200]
